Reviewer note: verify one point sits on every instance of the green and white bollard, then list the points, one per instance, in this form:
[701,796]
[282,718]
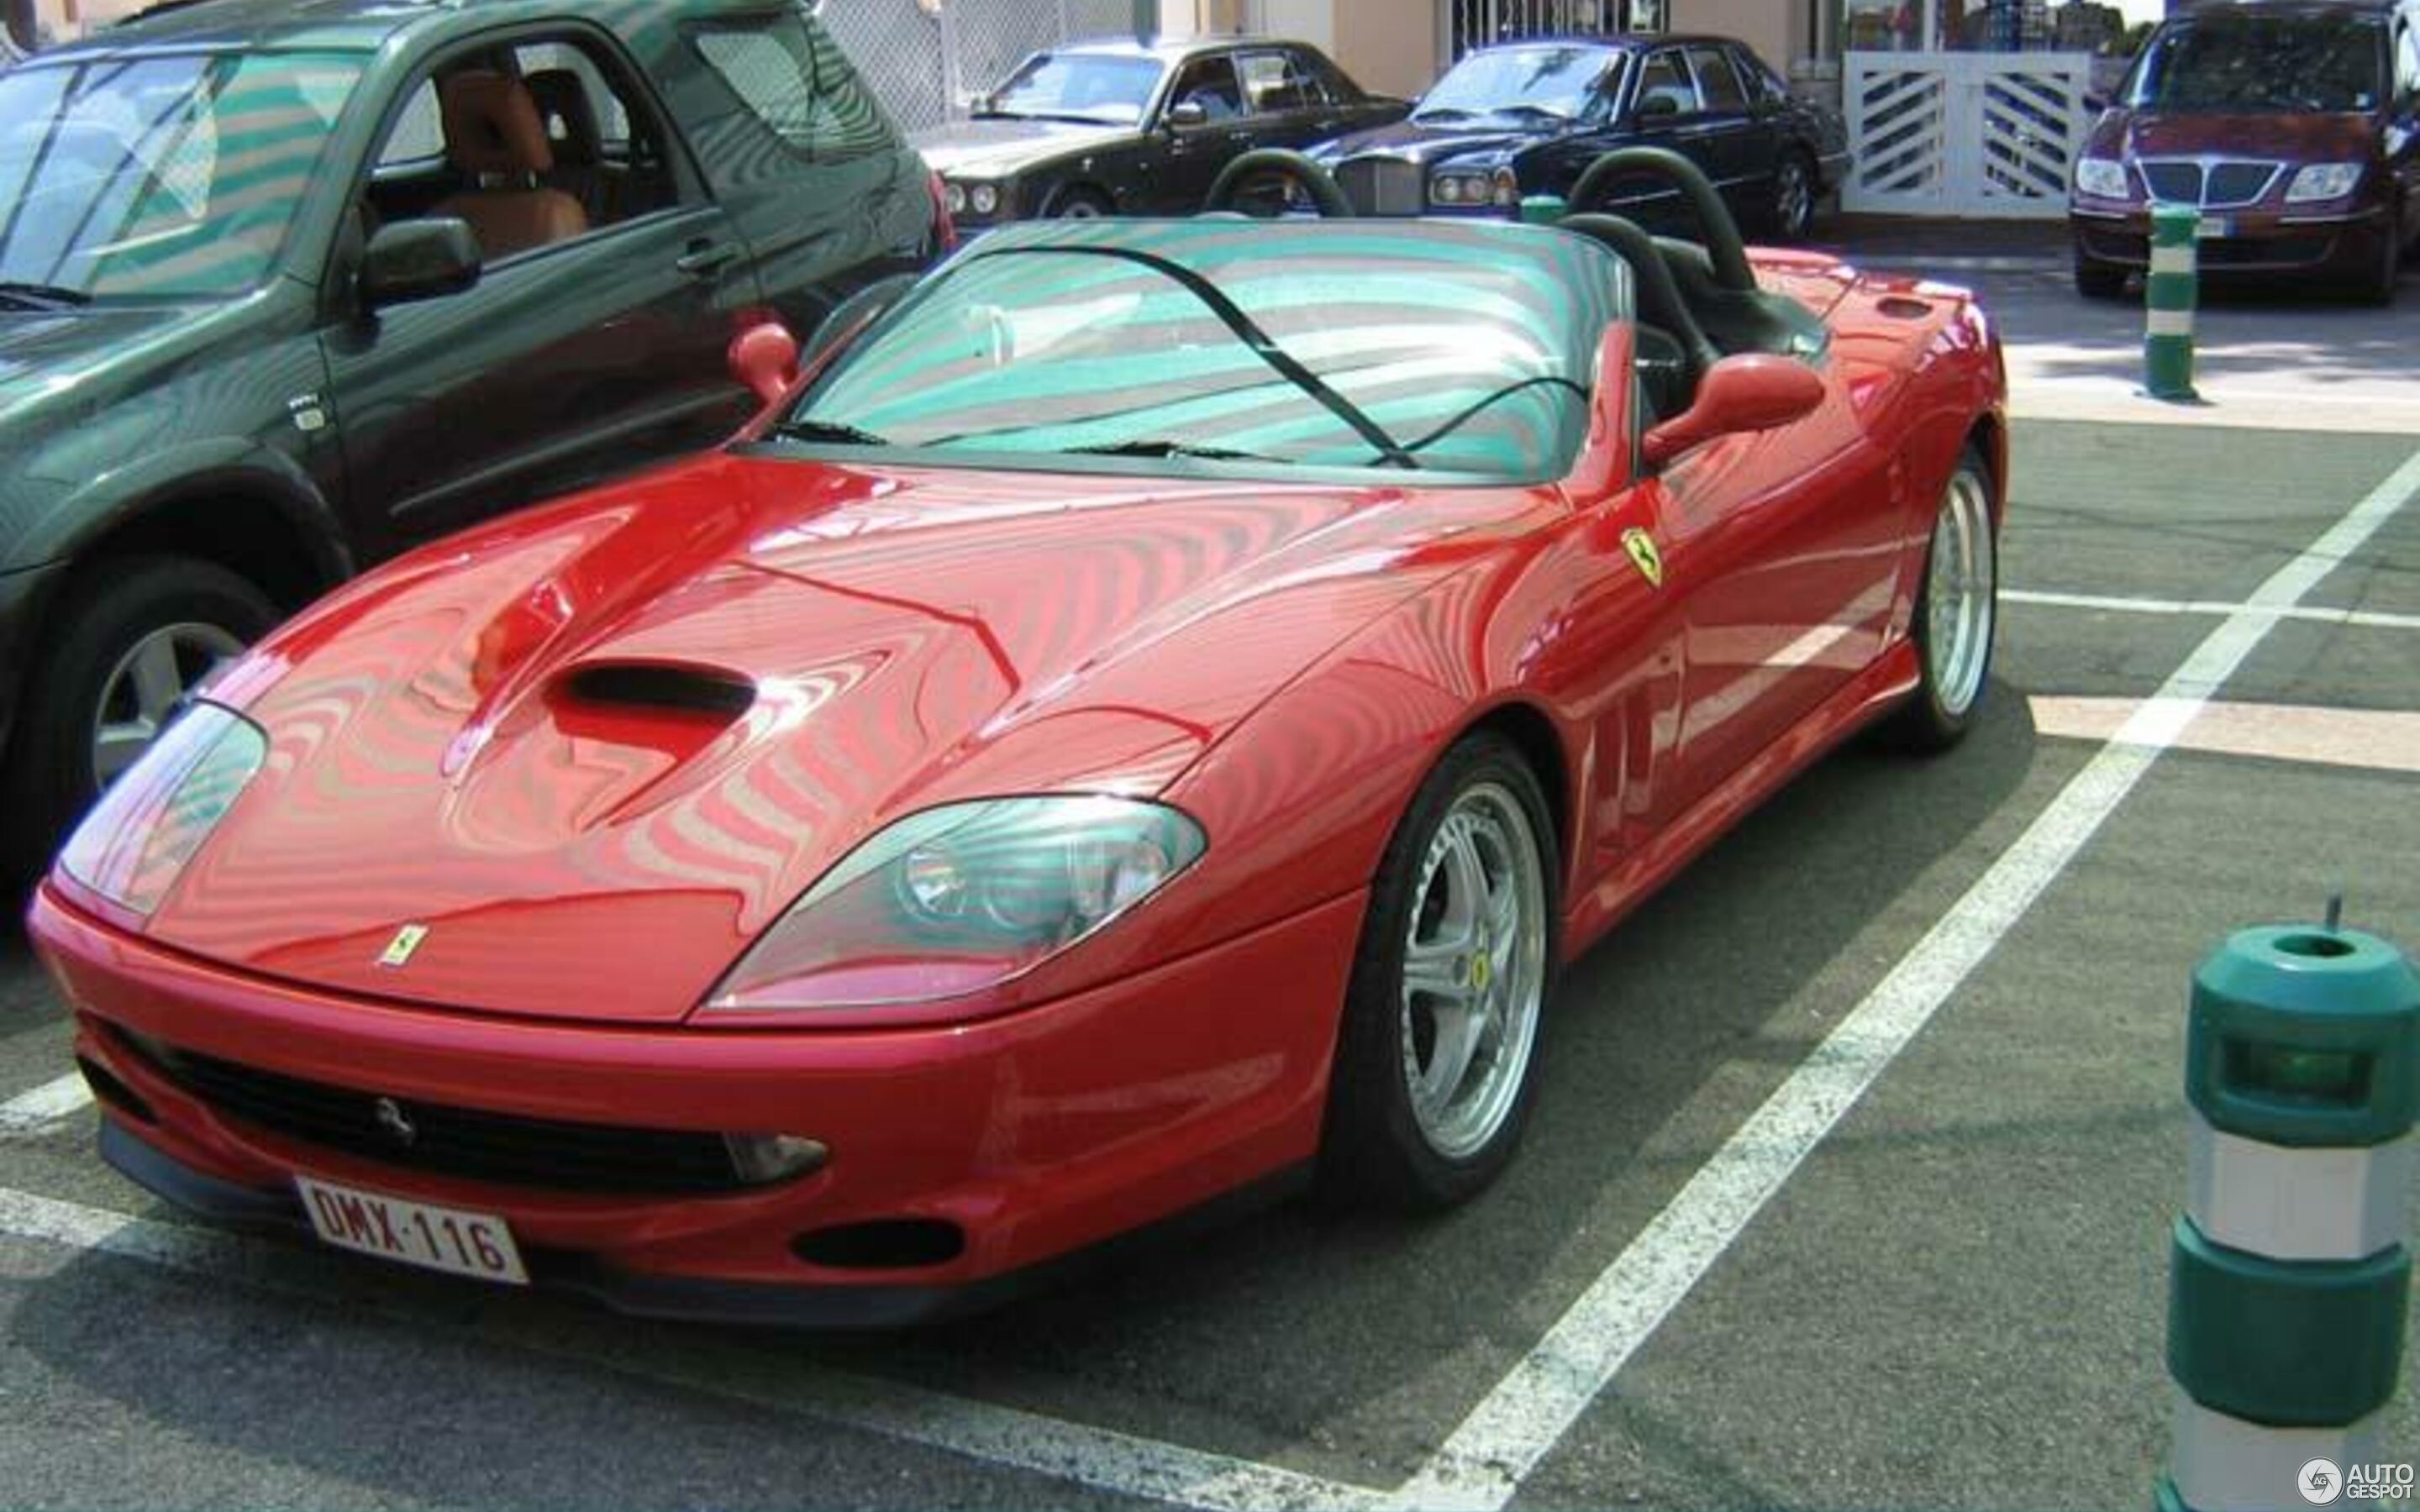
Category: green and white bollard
[1543,209]
[2289,1276]
[2170,291]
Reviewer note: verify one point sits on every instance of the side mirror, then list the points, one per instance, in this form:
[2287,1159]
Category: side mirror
[1756,391]
[1186,114]
[414,260]
[765,357]
[1655,105]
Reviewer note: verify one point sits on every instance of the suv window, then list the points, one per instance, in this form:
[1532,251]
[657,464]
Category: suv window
[2226,62]
[2407,65]
[1665,77]
[606,151]
[795,82]
[1275,83]
[1717,79]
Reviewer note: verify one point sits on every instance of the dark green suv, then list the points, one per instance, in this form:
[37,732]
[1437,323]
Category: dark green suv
[287,286]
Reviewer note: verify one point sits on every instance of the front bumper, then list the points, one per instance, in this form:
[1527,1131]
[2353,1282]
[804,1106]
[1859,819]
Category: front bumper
[1036,1134]
[2245,241]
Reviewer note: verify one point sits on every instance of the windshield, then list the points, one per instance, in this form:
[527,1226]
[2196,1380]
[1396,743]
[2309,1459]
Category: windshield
[159,176]
[1557,81]
[1113,90]
[1460,350]
[2263,63]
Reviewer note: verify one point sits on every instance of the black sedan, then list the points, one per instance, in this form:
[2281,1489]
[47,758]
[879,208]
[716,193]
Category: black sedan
[1139,128]
[1528,117]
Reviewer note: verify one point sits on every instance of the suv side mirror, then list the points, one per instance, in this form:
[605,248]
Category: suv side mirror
[1754,391]
[419,261]
[765,357]
[1188,113]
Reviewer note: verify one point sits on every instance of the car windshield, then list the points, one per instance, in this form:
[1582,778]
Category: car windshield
[2263,63]
[1078,86]
[1464,349]
[169,175]
[1559,81]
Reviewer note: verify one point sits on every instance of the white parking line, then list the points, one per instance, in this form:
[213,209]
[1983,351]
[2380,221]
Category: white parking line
[2367,740]
[32,1112]
[2320,615]
[1514,1427]
[1004,1436]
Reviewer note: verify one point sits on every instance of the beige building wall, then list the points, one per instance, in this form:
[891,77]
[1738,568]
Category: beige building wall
[1778,29]
[1389,45]
[62,20]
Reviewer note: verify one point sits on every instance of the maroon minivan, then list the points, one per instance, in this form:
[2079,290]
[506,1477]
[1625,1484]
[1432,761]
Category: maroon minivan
[2292,124]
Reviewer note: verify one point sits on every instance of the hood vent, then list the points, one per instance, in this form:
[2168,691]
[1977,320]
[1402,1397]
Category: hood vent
[697,693]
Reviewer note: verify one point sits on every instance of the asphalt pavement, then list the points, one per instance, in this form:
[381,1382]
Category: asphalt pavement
[1694,1289]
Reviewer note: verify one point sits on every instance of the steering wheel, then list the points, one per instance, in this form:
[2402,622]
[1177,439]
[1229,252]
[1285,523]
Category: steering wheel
[1279,163]
[1723,243]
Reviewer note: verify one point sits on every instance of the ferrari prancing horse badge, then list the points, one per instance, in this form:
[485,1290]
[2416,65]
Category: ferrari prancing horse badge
[1644,556]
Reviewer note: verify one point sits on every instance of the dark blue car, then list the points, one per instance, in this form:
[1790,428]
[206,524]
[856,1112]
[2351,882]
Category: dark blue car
[1528,117]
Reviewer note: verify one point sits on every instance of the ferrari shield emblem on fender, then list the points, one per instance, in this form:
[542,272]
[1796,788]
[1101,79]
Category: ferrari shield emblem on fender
[399,949]
[1644,556]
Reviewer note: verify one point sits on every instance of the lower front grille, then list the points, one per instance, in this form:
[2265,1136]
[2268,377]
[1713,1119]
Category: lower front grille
[2267,252]
[444,1140]
[1383,186]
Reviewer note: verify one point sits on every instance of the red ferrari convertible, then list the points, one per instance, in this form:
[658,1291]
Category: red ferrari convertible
[1139,719]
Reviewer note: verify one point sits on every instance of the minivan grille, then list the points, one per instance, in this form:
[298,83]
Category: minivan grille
[2210,185]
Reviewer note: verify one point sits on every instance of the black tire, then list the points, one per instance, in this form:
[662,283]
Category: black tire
[2098,279]
[1373,1151]
[107,611]
[1080,205]
[1935,718]
[1794,184]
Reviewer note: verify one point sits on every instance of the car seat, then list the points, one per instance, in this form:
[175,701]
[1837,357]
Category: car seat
[494,135]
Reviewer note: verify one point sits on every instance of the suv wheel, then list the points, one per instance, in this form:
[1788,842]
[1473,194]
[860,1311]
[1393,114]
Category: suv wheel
[127,648]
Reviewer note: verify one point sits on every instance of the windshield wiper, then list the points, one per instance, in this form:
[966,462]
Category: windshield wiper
[1548,112]
[43,296]
[1172,448]
[828,431]
[1442,113]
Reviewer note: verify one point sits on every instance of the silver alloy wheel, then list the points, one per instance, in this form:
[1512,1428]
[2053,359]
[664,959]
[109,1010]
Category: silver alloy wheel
[1794,201]
[147,687]
[1961,594]
[1474,971]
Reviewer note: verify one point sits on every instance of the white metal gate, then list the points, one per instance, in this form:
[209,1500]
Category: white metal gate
[1965,134]
[1471,24]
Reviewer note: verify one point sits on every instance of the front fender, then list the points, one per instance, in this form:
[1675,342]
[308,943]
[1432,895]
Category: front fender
[123,491]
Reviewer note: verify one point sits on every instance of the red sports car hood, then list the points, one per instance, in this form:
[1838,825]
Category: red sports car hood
[658,712]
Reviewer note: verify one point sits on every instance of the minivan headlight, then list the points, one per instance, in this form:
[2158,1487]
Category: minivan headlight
[2323,180]
[135,843]
[2102,177]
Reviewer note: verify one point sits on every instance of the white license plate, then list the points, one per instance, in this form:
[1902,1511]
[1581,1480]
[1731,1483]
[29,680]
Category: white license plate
[475,1244]
[2214,227]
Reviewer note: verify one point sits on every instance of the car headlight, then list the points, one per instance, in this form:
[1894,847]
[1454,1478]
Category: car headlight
[136,841]
[954,196]
[2323,180]
[984,198]
[2103,177]
[961,897]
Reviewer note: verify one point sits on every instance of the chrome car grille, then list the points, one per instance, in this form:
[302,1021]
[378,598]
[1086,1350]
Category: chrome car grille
[1383,186]
[2209,183]
[444,1140]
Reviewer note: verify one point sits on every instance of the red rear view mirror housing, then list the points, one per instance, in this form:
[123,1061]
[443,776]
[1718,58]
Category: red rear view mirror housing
[1754,391]
[765,357]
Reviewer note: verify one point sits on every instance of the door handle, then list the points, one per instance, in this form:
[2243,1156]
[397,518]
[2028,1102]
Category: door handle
[704,259]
